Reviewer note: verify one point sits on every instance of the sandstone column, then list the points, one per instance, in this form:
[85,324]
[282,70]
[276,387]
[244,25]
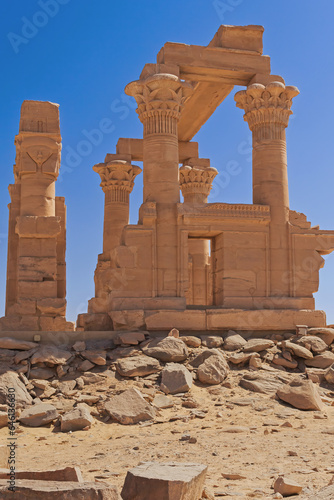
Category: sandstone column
[160,99]
[36,283]
[267,110]
[117,181]
[196,178]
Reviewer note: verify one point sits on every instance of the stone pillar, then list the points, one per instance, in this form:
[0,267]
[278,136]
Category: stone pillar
[267,111]
[36,265]
[117,181]
[160,99]
[196,177]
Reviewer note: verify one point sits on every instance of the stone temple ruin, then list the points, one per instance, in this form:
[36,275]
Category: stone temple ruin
[193,265]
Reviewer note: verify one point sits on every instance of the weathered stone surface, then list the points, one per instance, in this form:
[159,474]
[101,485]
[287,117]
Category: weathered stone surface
[160,401]
[281,361]
[176,378]
[129,407]
[22,355]
[213,371]
[96,357]
[167,349]
[212,341]
[11,380]
[257,345]
[301,394]
[3,419]
[326,493]
[313,343]
[76,419]
[51,354]
[85,366]
[137,366]
[200,358]
[239,358]
[260,383]
[329,374]
[170,481]
[129,338]
[233,341]
[287,486]
[191,341]
[125,320]
[323,360]
[41,373]
[326,334]
[72,474]
[38,415]
[57,490]
[297,350]
[21,345]
[79,346]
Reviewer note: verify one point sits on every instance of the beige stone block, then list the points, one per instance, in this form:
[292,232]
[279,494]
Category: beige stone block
[148,303]
[37,268]
[37,247]
[37,289]
[22,307]
[38,227]
[182,320]
[128,320]
[52,307]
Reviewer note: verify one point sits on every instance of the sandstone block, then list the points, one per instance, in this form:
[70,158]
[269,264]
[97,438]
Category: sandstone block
[323,360]
[170,481]
[213,371]
[76,420]
[51,354]
[233,341]
[301,394]
[137,366]
[191,341]
[98,357]
[175,379]
[287,486]
[329,374]
[67,474]
[11,380]
[166,349]
[212,341]
[257,345]
[21,345]
[38,415]
[129,407]
[127,320]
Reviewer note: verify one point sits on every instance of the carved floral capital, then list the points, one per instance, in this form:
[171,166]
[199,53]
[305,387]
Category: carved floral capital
[196,182]
[117,179]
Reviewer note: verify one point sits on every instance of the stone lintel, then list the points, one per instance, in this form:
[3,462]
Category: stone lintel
[134,149]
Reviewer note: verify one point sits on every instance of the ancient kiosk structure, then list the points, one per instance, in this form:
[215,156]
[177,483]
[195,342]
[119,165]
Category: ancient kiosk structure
[192,265]
[36,269]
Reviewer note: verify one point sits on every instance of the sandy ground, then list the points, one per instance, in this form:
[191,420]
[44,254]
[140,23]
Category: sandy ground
[269,438]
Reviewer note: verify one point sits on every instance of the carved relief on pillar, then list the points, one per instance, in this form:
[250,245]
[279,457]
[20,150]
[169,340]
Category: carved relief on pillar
[160,99]
[196,182]
[267,108]
[37,153]
[117,179]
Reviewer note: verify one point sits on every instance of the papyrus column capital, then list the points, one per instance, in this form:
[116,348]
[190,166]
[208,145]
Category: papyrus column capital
[196,182]
[117,179]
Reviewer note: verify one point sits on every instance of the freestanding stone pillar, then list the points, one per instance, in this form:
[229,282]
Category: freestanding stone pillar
[36,279]
[160,99]
[267,111]
[196,178]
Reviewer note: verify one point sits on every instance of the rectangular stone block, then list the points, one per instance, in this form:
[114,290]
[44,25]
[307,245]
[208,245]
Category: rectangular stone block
[37,268]
[182,320]
[37,227]
[37,289]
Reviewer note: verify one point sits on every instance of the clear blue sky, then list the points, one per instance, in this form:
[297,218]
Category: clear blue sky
[83,56]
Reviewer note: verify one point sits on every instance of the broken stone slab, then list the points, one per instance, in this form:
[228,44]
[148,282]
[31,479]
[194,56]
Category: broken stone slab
[38,415]
[79,346]
[200,358]
[175,379]
[301,394]
[191,341]
[137,366]
[85,366]
[323,360]
[72,474]
[297,350]
[160,401]
[281,361]
[129,338]
[239,358]
[326,334]
[3,419]
[259,383]
[58,490]
[11,380]
[75,420]
[212,341]
[51,354]
[166,349]
[41,373]
[22,355]
[213,371]
[329,374]
[129,319]
[169,481]
[287,486]
[233,341]
[129,407]
[257,345]
[20,345]
[98,357]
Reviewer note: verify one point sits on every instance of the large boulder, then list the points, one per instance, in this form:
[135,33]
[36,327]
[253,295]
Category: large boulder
[38,415]
[323,360]
[315,344]
[175,379]
[170,481]
[301,394]
[297,350]
[233,341]
[201,357]
[51,354]
[75,420]
[213,371]
[129,407]
[57,490]
[10,381]
[137,366]
[166,349]
[326,334]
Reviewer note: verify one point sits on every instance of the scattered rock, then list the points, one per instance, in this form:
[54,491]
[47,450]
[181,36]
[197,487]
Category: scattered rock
[323,360]
[326,334]
[96,357]
[79,346]
[129,407]
[213,371]
[51,354]
[85,366]
[167,349]
[76,419]
[329,374]
[174,333]
[301,394]
[297,350]
[239,358]
[286,486]
[212,341]
[137,366]
[20,345]
[129,338]
[56,490]
[232,476]
[170,481]
[257,345]
[41,373]
[66,474]
[38,415]
[191,341]
[316,344]
[175,378]
[260,383]
[3,419]
[233,341]
[281,361]
[11,380]
[160,401]
[200,358]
